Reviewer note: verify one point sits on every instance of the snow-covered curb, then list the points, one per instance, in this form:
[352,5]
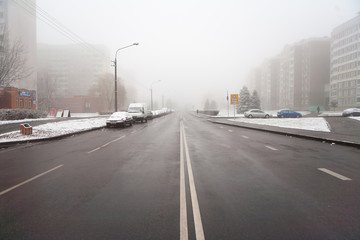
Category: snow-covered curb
[55,129]
[313,124]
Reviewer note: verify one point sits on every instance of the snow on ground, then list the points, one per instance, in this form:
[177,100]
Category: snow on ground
[356,118]
[313,124]
[225,113]
[331,114]
[55,129]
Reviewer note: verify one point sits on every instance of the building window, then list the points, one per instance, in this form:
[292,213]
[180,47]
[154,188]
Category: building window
[21,103]
[25,103]
[29,103]
[17,103]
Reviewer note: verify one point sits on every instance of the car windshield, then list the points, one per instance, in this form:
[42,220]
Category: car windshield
[135,109]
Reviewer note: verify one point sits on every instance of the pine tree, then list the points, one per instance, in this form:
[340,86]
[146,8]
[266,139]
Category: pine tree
[244,100]
[254,100]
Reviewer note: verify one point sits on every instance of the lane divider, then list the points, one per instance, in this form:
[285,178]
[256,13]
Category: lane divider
[334,174]
[199,231]
[102,146]
[271,148]
[29,180]
[245,136]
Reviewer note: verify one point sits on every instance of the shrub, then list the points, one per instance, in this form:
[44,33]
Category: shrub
[16,114]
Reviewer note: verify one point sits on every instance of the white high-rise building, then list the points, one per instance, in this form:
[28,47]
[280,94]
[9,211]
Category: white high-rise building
[345,64]
[18,23]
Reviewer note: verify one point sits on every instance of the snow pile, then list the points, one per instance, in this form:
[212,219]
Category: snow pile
[355,118]
[55,129]
[313,124]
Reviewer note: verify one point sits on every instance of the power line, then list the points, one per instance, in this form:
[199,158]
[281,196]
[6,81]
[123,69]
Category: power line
[54,23]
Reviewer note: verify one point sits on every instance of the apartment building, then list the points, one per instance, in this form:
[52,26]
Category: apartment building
[71,69]
[345,64]
[18,23]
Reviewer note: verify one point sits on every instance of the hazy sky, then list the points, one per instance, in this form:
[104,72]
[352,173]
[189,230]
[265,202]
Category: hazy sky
[197,48]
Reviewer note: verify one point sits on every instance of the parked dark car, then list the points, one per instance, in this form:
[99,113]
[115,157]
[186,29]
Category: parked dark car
[150,115]
[118,119]
[287,113]
[351,112]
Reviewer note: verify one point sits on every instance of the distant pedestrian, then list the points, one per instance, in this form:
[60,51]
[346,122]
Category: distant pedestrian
[318,109]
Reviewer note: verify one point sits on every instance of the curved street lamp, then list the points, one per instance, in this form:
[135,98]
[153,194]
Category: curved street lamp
[115,63]
[151,92]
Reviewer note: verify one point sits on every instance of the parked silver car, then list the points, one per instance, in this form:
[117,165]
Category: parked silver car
[119,119]
[351,112]
[256,113]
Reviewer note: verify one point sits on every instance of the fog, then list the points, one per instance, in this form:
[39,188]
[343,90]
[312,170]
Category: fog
[198,49]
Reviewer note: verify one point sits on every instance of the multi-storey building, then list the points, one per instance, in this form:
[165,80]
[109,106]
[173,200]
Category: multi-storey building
[18,24]
[345,64]
[269,92]
[311,73]
[71,69]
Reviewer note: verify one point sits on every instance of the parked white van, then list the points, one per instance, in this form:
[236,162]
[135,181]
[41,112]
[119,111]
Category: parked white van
[138,111]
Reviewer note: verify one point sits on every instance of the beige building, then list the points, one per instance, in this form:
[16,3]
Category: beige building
[345,64]
[18,23]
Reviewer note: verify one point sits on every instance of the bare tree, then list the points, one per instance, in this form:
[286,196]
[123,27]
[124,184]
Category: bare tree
[104,91]
[46,91]
[12,63]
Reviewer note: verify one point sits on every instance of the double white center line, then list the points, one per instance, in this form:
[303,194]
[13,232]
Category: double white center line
[199,232]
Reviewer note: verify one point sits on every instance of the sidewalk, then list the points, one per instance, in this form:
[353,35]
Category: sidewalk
[344,131]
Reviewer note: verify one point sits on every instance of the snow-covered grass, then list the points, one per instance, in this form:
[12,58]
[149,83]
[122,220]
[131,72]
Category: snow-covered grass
[313,124]
[273,113]
[331,114]
[55,129]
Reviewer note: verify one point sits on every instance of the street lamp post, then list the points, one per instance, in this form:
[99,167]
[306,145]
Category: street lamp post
[115,64]
[152,94]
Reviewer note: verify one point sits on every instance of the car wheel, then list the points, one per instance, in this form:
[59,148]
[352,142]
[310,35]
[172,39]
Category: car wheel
[250,116]
[297,116]
[267,116]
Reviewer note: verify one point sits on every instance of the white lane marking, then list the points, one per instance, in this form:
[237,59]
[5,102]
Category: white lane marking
[245,136]
[183,213]
[133,132]
[199,231]
[29,180]
[221,127]
[230,130]
[115,140]
[271,148]
[334,174]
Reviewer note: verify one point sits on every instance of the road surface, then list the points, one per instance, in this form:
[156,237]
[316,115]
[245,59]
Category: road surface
[179,177]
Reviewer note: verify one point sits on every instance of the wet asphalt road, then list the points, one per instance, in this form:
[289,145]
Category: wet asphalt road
[179,177]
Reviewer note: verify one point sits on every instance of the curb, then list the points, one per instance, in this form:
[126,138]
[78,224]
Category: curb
[8,144]
[328,140]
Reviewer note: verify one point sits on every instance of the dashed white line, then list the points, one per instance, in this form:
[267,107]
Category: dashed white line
[334,174]
[271,148]
[29,180]
[230,130]
[115,140]
[245,136]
